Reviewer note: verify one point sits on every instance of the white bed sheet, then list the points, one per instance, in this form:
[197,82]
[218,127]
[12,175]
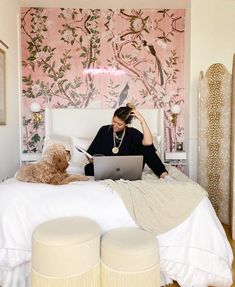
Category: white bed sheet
[195,253]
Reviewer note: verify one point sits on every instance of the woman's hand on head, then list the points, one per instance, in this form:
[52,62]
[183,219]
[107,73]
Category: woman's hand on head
[137,115]
[147,136]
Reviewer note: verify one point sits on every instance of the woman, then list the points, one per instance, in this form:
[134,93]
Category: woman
[119,139]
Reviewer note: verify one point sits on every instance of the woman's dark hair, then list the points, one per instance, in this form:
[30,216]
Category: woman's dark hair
[124,114]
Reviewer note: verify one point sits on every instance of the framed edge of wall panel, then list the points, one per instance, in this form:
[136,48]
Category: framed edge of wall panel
[2,87]
[232,180]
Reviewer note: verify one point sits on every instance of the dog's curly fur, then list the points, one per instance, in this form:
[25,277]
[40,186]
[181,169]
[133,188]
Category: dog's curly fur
[52,168]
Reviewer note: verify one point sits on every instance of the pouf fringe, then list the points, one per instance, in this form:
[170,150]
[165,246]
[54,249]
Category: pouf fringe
[86,279]
[113,278]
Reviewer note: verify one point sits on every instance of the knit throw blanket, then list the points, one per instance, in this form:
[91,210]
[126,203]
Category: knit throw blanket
[157,206]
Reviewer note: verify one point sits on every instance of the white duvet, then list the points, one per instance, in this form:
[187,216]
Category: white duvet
[195,253]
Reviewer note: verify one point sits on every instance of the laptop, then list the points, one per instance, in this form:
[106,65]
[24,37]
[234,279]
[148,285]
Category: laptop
[116,167]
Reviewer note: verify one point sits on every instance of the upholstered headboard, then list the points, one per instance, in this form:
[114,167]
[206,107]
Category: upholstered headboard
[86,122]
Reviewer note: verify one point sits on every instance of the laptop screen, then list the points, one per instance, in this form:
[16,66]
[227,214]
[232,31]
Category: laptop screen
[117,167]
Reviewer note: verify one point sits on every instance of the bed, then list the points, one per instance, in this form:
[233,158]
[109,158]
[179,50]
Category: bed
[194,253]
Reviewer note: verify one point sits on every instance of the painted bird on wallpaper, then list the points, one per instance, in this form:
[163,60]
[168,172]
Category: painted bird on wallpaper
[122,96]
[152,51]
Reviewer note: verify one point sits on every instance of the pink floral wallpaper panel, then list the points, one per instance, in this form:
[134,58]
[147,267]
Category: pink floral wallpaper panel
[91,58]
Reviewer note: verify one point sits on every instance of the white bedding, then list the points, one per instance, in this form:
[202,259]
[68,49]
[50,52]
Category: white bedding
[195,253]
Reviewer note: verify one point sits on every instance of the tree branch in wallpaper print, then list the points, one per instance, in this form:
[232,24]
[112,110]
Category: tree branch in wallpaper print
[31,138]
[113,94]
[152,86]
[133,37]
[41,56]
[117,49]
[88,44]
[137,25]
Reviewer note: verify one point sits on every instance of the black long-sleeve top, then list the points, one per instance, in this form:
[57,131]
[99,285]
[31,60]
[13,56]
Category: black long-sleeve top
[131,145]
[103,142]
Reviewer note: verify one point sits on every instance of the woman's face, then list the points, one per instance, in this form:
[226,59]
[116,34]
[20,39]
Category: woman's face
[118,124]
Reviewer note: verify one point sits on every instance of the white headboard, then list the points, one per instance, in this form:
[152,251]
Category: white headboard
[86,122]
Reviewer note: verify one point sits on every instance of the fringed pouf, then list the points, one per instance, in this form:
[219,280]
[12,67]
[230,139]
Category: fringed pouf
[129,258]
[66,253]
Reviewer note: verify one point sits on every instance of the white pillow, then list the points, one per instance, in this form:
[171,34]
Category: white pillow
[80,159]
[75,168]
[76,156]
[57,139]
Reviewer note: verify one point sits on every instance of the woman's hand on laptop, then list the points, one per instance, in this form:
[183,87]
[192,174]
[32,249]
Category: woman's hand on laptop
[167,178]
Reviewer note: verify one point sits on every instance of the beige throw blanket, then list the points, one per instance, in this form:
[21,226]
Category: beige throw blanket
[157,206]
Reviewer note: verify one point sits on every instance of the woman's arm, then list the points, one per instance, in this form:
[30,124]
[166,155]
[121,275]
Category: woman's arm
[147,136]
[148,139]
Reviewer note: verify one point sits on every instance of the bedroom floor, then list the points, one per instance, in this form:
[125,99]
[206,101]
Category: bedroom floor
[232,242]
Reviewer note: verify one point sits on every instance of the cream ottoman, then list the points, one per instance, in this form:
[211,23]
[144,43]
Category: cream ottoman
[66,253]
[129,258]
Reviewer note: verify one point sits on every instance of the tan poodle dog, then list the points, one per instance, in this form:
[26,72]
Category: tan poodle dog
[52,168]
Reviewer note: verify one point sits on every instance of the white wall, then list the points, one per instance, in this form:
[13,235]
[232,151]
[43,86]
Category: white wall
[9,134]
[212,40]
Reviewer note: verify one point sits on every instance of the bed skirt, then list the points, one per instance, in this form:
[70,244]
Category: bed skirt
[16,277]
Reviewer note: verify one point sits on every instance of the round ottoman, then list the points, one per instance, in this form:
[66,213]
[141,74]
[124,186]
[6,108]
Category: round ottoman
[129,258]
[66,253]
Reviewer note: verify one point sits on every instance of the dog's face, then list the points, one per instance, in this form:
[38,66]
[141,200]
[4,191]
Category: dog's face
[60,160]
[68,155]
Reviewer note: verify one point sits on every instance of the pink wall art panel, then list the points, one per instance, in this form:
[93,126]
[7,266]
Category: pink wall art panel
[92,58]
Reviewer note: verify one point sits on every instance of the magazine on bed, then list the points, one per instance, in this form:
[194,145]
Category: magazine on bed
[80,149]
